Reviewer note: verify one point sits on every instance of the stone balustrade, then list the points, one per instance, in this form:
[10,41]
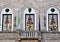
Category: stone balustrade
[29,34]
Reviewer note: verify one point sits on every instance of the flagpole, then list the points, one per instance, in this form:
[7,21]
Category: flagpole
[39,20]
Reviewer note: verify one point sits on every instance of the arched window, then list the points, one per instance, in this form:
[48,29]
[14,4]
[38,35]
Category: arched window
[7,19]
[52,19]
[29,19]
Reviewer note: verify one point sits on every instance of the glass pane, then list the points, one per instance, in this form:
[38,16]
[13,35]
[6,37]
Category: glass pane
[29,22]
[7,22]
[53,22]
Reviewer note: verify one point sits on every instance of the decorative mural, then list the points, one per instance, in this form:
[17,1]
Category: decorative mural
[7,22]
[53,22]
[29,22]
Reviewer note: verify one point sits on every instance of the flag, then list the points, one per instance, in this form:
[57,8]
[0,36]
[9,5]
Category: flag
[18,22]
[39,22]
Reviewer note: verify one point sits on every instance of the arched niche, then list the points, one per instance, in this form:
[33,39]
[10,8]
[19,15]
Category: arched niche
[52,15]
[29,12]
[6,18]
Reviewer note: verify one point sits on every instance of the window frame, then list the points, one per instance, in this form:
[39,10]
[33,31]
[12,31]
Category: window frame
[3,20]
[33,20]
[57,21]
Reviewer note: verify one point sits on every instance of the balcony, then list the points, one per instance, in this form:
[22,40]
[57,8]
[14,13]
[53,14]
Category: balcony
[29,34]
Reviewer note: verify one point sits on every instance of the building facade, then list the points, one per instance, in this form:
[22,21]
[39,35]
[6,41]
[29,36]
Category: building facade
[29,21]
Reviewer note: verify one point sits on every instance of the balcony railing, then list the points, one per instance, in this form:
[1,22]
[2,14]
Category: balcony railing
[29,34]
